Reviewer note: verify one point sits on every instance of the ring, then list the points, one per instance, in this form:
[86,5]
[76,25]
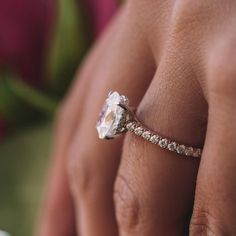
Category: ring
[117,117]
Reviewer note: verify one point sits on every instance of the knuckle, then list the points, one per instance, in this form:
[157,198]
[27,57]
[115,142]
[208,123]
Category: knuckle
[222,68]
[197,7]
[81,170]
[204,223]
[188,11]
[192,16]
[127,205]
[132,207]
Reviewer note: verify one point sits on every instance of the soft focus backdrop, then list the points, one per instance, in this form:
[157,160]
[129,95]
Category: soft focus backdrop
[42,42]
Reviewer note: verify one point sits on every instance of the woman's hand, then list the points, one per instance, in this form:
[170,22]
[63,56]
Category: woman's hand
[176,61]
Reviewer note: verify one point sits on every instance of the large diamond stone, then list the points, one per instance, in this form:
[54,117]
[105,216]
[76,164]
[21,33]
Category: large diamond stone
[110,116]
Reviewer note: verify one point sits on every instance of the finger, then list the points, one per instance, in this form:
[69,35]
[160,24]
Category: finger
[58,213]
[214,208]
[154,189]
[126,66]
[58,216]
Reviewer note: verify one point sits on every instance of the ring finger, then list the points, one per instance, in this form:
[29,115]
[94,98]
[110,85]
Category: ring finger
[154,189]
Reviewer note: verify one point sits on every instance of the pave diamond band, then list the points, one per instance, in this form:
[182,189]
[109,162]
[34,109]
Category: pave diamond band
[117,117]
[153,137]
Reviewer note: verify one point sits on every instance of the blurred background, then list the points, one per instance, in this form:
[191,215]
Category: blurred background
[42,43]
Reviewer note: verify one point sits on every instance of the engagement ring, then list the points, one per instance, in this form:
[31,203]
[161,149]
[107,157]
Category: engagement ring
[117,117]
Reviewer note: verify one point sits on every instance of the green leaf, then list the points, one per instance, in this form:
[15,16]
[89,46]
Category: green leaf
[19,103]
[32,97]
[69,44]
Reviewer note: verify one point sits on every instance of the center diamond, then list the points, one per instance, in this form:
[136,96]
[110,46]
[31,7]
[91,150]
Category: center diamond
[111,116]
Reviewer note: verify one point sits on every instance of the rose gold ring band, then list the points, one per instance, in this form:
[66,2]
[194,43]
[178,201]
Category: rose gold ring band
[138,129]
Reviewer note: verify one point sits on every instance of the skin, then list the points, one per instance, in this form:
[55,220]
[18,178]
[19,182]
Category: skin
[175,60]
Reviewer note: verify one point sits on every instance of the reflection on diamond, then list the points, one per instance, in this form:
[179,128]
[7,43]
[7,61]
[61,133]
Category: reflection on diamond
[110,116]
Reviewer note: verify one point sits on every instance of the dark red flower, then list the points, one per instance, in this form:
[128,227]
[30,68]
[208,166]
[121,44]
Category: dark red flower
[28,32]
[24,30]
[99,13]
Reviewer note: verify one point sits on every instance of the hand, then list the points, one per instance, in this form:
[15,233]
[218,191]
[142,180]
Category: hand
[176,61]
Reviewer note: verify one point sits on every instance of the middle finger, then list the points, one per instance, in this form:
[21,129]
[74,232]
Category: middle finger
[126,66]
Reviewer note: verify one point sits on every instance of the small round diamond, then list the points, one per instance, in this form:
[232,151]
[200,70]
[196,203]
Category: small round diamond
[138,131]
[154,139]
[132,127]
[172,146]
[163,143]
[129,125]
[189,151]
[197,152]
[146,135]
[180,149]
